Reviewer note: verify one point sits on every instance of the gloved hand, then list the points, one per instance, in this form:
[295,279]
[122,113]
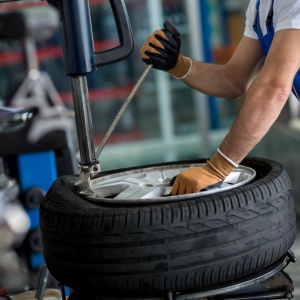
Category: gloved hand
[195,179]
[161,49]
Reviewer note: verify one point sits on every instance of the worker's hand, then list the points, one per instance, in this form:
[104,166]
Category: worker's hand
[195,179]
[162,48]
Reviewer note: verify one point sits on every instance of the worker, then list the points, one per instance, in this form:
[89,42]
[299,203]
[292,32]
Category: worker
[264,68]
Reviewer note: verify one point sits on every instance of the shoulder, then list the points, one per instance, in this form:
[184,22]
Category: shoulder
[251,10]
[250,18]
[286,14]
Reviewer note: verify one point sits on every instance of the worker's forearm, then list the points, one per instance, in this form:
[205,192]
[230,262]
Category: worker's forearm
[259,111]
[212,79]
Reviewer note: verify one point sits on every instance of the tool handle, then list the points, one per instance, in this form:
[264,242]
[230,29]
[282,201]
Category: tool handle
[77,36]
[125,36]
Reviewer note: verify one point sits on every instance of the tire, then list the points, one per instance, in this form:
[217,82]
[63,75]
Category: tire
[152,249]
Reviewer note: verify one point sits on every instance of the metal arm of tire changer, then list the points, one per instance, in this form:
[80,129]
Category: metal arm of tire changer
[80,60]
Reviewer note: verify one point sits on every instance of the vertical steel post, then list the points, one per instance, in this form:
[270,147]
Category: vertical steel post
[81,59]
[77,39]
[83,120]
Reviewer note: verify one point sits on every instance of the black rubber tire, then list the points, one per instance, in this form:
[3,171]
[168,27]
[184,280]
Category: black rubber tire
[171,246]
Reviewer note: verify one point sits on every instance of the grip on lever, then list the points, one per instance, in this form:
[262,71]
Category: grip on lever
[77,37]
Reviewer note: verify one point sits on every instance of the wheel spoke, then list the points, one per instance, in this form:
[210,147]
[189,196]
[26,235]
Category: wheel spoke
[136,192]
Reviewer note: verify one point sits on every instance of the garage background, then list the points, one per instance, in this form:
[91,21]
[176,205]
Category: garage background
[210,31]
[166,121]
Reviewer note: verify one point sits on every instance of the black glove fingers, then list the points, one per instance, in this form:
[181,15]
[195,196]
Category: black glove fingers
[173,40]
[169,40]
[157,60]
[169,44]
[177,39]
[156,40]
[147,61]
[164,44]
[170,27]
[152,44]
[152,55]
[161,49]
[167,51]
[158,51]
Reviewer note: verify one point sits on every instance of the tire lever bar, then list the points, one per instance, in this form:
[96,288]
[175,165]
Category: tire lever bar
[122,110]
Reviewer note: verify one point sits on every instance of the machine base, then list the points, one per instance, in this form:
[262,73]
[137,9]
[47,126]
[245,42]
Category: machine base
[270,283]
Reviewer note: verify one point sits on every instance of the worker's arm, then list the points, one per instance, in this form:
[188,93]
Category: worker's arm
[232,79]
[267,93]
[265,97]
[263,103]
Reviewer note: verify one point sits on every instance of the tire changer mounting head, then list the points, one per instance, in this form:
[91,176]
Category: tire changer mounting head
[80,60]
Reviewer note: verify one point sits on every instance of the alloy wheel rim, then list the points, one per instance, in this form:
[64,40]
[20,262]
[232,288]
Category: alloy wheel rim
[152,184]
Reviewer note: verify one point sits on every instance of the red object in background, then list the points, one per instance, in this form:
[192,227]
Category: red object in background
[3,292]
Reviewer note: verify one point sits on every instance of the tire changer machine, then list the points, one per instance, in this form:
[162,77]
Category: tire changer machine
[80,60]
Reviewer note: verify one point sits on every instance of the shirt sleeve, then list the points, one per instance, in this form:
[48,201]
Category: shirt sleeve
[250,18]
[287,15]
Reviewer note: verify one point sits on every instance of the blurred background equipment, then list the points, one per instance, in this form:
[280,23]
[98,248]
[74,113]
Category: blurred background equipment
[39,133]
[14,225]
